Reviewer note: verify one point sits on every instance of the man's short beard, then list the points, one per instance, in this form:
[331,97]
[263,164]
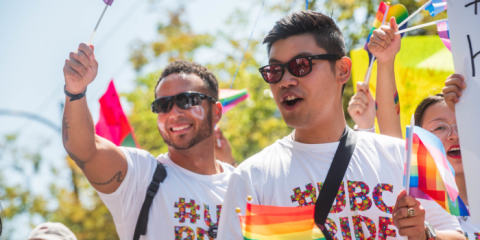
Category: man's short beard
[205,131]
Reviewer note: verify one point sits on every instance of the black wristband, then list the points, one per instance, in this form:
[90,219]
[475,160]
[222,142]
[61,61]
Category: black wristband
[74,97]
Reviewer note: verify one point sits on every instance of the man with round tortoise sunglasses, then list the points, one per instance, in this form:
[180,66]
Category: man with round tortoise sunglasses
[298,67]
[292,171]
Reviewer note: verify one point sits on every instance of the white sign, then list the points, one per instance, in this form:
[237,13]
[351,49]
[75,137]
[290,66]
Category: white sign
[464,24]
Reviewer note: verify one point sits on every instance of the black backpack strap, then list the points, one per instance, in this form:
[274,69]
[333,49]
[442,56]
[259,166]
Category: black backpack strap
[158,177]
[334,178]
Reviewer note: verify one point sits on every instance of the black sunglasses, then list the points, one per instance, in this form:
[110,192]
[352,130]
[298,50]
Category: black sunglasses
[298,67]
[183,100]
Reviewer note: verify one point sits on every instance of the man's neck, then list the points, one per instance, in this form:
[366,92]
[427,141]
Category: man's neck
[198,159]
[326,130]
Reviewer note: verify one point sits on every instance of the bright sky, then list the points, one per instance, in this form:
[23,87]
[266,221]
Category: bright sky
[37,36]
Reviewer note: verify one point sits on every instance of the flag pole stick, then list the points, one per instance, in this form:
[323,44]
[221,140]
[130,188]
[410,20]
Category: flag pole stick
[98,23]
[408,156]
[415,13]
[422,26]
[369,70]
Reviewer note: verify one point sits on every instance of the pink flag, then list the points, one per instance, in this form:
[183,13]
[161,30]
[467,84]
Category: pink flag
[108,2]
[444,34]
[113,124]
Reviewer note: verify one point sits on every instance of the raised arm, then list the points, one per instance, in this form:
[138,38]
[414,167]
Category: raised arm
[101,161]
[385,45]
[362,108]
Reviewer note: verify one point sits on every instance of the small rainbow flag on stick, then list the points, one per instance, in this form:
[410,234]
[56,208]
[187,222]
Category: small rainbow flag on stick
[108,3]
[430,175]
[230,98]
[279,223]
[436,7]
[384,14]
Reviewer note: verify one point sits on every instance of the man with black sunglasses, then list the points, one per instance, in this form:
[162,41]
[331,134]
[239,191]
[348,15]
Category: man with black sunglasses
[307,72]
[189,200]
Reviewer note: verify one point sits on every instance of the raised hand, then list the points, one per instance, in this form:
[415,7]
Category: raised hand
[384,43]
[362,107]
[80,69]
[454,85]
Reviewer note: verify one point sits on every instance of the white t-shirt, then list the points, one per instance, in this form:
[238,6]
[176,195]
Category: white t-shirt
[290,173]
[186,205]
[471,231]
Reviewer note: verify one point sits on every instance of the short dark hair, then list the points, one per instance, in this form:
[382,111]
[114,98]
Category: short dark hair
[326,33]
[424,105]
[186,67]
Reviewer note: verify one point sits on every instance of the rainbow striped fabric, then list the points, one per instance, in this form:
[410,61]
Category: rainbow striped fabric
[231,98]
[279,223]
[431,175]
[436,7]
[444,34]
[398,11]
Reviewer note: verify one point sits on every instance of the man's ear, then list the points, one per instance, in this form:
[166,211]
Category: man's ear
[343,70]
[217,112]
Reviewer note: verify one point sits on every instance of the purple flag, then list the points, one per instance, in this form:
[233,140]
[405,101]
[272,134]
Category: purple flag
[108,2]
[444,34]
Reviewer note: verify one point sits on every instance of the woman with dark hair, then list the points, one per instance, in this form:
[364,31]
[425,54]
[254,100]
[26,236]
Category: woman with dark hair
[437,115]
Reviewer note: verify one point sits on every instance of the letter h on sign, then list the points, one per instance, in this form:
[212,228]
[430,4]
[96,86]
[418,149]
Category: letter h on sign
[473,56]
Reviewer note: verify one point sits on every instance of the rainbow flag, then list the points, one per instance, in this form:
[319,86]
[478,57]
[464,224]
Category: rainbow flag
[398,11]
[108,2]
[113,123]
[436,7]
[444,34]
[279,223]
[231,98]
[431,175]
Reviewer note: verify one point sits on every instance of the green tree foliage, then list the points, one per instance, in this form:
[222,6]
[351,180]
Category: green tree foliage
[89,219]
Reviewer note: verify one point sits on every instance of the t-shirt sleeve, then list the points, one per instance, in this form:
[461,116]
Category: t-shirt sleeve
[235,197]
[438,217]
[127,200]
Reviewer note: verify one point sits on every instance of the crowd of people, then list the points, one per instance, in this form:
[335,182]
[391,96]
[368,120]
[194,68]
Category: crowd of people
[193,191]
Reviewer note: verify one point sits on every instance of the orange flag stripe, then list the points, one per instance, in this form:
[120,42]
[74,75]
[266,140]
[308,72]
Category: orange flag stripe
[273,210]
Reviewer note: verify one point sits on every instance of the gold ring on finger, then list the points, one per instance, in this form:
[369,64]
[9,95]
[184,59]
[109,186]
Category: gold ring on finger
[410,212]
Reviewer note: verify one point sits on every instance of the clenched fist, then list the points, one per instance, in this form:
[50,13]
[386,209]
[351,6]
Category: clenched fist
[452,91]
[80,69]
[362,107]
[384,43]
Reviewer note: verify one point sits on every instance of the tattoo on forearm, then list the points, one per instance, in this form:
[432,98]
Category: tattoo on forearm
[397,102]
[65,128]
[118,176]
[78,161]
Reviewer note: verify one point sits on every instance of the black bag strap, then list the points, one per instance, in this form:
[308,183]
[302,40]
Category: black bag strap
[158,177]
[334,178]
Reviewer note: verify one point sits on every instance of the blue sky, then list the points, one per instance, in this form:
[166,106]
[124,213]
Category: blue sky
[37,36]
